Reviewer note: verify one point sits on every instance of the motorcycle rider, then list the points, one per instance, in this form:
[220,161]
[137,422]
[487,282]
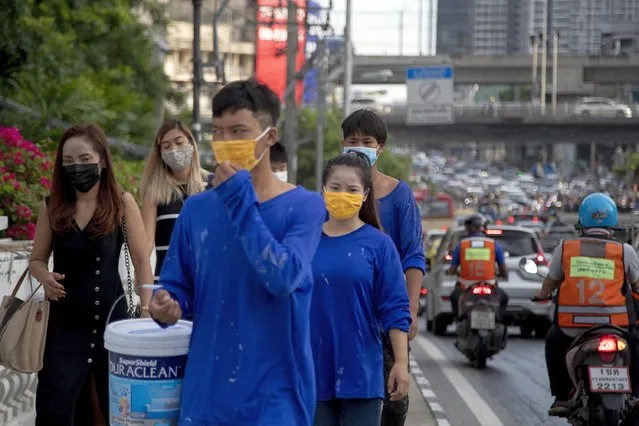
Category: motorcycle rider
[583,282]
[476,263]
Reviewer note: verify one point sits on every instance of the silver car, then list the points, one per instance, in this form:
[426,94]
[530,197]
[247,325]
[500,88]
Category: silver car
[517,242]
[601,108]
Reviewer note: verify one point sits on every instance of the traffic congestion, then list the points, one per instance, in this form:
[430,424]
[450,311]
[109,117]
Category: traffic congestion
[489,349]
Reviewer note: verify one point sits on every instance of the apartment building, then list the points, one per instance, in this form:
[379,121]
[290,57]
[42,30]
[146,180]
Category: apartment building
[236,33]
[482,27]
[590,27]
[504,27]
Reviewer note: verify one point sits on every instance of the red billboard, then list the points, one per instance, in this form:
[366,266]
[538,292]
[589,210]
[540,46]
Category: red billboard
[270,49]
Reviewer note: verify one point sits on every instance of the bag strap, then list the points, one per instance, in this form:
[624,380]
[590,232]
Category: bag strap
[19,283]
[127,261]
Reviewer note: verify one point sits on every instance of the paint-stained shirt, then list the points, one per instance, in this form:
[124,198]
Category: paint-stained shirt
[358,284]
[402,221]
[243,269]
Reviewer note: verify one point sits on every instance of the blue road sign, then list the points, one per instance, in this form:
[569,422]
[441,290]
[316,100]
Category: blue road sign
[430,73]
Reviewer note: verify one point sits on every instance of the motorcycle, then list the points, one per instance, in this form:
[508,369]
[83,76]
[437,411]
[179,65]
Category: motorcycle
[480,332]
[598,362]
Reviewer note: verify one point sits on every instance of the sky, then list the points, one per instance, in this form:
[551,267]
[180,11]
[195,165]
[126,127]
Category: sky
[377,25]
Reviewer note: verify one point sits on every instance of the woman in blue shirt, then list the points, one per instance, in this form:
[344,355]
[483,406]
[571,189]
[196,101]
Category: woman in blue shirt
[359,285]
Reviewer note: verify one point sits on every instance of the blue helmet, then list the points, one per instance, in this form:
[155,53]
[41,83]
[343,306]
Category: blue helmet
[598,211]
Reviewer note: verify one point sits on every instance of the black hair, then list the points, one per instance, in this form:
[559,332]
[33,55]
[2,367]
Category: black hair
[247,94]
[357,160]
[366,123]
[278,153]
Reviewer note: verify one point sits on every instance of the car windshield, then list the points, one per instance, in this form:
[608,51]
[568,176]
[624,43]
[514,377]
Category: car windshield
[515,243]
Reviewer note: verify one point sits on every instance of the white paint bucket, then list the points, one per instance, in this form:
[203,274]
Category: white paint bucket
[146,370]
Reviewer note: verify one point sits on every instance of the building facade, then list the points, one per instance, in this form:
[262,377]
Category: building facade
[236,37]
[483,27]
[504,27]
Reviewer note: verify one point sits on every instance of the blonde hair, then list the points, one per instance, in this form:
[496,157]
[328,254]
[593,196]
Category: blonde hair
[159,185]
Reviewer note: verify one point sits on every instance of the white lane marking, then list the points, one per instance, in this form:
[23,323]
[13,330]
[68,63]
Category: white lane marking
[482,411]
[427,394]
[436,407]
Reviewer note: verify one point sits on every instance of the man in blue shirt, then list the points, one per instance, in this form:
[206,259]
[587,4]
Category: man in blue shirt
[365,132]
[240,262]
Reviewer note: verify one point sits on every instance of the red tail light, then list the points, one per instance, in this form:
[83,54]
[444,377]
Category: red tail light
[541,260]
[448,257]
[423,291]
[535,219]
[511,219]
[607,344]
[499,222]
[482,289]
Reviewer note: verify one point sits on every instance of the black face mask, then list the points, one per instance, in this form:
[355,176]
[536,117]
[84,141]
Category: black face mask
[82,177]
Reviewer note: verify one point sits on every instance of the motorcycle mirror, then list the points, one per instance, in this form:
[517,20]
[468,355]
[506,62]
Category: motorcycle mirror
[528,266]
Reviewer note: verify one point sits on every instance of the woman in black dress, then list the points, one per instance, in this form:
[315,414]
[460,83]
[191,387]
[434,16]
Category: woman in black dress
[172,174]
[81,222]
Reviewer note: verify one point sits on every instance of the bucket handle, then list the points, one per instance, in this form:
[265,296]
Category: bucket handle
[108,320]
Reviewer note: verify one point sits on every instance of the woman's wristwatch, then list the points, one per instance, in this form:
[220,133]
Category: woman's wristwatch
[144,308]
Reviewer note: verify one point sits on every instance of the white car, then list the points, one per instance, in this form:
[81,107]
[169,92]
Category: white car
[601,108]
[517,242]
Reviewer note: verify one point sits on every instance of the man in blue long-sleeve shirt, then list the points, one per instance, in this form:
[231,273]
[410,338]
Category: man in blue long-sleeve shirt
[240,262]
[364,131]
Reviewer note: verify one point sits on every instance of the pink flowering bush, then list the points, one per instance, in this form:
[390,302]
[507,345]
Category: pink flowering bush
[25,179]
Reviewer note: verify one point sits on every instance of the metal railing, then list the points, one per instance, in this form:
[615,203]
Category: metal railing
[524,112]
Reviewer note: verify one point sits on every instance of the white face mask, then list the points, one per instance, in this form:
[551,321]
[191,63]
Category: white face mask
[178,159]
[283,176]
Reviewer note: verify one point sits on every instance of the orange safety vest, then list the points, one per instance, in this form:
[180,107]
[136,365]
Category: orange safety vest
[593,291]
[477,260]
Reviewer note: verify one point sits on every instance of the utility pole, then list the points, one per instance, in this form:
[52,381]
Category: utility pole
[218,63]
[534,41]
[432,27]
[197,70]
[321,113]
[290,116]
[420,27]
[555,56]
[348,57]
[401,33]
[544,59]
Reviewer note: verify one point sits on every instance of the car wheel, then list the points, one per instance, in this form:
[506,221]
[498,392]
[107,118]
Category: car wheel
[439,326]
[620,114]
[585,114]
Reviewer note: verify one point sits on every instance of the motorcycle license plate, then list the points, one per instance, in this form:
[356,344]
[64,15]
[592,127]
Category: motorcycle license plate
[482,320]
[609,379]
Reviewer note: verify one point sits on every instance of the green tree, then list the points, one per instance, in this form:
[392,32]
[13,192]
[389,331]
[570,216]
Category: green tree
[389,163]
[85,60]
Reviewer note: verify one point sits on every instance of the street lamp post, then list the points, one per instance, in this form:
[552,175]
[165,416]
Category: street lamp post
[197,69]
[348,57]
[555,54]
[544,58]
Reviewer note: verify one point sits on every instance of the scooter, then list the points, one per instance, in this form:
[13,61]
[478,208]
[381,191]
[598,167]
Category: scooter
[480,332]
[598,362]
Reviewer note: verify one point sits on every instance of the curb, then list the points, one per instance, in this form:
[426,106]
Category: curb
[427,393]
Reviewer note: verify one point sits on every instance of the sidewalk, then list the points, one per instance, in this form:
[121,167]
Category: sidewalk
[418,412]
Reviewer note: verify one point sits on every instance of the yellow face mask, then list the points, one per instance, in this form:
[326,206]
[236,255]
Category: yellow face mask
[239,152]
[343,205]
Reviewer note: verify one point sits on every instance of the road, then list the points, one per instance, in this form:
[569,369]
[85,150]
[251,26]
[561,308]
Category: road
[512,390]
